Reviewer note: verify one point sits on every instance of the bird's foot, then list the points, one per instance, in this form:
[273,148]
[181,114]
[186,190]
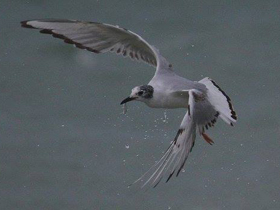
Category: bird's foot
[207,138]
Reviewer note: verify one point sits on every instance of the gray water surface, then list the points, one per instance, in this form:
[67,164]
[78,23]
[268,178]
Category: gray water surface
[65,143]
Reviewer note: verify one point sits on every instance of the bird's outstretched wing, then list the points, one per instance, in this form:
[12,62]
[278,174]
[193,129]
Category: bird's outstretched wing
[175,156]
[101,38]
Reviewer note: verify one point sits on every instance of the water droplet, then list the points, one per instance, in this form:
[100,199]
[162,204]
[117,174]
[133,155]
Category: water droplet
[165,116]
[127,146]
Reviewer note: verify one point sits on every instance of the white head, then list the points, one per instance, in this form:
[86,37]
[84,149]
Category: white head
[140,93]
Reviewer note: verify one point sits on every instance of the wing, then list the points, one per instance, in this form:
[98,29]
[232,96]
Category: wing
[175,156]
[199,113]
[220,101]
[101,38]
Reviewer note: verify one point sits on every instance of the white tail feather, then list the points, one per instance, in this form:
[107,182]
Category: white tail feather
[220,101]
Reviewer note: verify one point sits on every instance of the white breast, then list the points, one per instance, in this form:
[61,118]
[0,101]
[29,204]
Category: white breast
[168,100]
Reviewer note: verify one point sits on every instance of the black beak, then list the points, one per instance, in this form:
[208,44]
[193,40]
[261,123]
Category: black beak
[128,99]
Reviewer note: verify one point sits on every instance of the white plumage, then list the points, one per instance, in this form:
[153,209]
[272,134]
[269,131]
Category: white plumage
[204,101]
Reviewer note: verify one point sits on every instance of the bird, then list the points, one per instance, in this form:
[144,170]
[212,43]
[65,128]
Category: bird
[203,100]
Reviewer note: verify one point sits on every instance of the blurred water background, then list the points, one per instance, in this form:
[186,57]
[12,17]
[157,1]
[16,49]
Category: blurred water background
[65,143]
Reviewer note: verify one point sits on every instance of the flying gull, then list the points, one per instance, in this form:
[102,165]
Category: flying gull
[203,100]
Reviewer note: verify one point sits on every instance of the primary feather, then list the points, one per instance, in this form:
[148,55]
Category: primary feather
[100,38]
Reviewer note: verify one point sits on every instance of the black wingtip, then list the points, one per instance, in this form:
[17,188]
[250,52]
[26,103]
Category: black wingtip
[233,115]
[170,176]
[24,24]
[157,183]
[46,31]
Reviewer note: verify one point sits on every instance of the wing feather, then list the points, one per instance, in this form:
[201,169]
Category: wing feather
[175,156]
[101,38]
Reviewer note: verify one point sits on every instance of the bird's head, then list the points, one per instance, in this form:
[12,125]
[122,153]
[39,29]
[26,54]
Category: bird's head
[140,93]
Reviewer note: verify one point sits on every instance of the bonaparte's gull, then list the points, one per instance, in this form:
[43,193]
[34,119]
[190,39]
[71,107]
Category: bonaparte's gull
[203,100]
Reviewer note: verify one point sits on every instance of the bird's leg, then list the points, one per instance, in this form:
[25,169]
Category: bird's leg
[207,138]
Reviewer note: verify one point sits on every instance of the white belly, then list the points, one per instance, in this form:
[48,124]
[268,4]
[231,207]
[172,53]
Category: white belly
[168,101]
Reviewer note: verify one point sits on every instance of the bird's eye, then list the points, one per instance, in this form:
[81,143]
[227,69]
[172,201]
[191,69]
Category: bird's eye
[140,93]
